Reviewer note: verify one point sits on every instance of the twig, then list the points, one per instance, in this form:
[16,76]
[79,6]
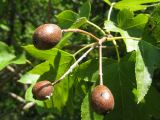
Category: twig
[28,105]
[19,98]
[73,66]
[81,31]
[96,26]
[10,68]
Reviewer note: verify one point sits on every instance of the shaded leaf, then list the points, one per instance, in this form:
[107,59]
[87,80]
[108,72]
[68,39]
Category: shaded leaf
[86,111]
[85,10]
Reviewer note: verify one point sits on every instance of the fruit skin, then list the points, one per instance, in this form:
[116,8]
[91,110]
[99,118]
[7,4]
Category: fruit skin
[42,89]
[102,100]
[46,36]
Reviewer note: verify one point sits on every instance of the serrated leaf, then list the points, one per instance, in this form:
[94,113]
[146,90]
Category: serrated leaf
[134,5]
[85,10]
[67,18]
[86,111]
[130,44]
[147,59]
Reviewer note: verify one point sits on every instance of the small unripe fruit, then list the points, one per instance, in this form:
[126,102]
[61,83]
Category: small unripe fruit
[102,100]
[46,36]
[42,90]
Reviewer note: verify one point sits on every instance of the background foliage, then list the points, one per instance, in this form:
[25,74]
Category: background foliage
[134,79]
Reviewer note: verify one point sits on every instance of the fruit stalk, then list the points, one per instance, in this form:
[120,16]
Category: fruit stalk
[100,64]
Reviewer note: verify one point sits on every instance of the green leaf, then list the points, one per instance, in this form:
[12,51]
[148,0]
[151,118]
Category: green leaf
[85,10]
[43,54]
[134,25]
[29,78]
[33,75]
[134,5]
[41,68]
[86,111]
[130,44]
[6,55]
[79,22]
[147,59]
[67,18]
[89,70]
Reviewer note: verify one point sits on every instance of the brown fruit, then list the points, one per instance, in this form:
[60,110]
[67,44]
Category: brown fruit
[102,100]
[42,90]
[46,36]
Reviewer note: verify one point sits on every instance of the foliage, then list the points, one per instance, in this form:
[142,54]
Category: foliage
[128,70]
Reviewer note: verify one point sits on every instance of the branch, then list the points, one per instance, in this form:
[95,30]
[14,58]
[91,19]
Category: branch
[81,31]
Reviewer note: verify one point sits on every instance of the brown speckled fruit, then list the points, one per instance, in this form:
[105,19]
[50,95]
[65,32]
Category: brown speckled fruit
[46,36]
[102,100]
[42,90]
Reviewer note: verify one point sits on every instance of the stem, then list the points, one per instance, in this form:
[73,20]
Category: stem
[85,47]
[81,31]
[96,26]
[100,64]
[73,66]
[118,38]
[117,52]
[110,11]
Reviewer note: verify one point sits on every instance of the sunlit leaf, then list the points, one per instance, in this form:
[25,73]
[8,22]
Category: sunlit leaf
[130,44]
[147,59]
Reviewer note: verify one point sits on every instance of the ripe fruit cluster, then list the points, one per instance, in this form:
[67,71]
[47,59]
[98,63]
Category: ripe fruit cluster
[46,37]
